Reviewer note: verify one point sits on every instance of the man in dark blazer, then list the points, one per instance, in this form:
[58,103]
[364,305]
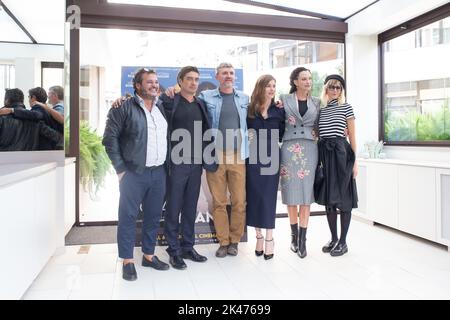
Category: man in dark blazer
[188,122]
[136,141]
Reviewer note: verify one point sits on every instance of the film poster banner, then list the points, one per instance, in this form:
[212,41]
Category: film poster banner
[167,77]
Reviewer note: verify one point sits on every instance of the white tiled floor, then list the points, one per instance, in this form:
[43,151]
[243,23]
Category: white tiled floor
[381,264]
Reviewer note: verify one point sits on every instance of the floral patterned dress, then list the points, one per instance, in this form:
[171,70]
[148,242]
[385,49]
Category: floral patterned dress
[299,156]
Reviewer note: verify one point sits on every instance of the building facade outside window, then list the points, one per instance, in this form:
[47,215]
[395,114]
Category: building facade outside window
[7,79]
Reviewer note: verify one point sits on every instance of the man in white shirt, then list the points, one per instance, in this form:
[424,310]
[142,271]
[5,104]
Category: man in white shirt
[135,139]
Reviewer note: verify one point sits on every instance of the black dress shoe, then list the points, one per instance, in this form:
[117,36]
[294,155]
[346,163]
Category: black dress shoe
[301,252]
[177,262]
[329,246]
[155,263]
[194,256]
[129,272]
[294,243]
[339,250]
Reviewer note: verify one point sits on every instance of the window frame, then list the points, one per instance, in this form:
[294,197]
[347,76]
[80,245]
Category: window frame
[395,32]
[101,14]
[50,65]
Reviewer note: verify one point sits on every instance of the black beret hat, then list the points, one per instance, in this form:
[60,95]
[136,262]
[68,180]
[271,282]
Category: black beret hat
[335,77]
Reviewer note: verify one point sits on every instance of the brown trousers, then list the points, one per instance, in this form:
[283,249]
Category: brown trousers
[231,175]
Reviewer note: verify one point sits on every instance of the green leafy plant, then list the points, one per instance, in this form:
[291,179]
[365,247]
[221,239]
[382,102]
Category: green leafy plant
[94,161]
[414,126]
[317,85]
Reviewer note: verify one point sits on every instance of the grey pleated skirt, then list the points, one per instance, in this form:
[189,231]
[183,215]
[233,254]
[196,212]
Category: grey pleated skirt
[297,170]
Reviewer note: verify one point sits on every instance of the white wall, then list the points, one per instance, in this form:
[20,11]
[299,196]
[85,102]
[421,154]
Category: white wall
[362,85]
[11,51]
[28,74]
[362,70]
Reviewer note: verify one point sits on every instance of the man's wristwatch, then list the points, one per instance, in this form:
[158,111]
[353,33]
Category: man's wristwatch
[12,110]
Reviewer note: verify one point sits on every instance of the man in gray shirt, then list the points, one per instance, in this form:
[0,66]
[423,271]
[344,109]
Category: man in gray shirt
[227,109]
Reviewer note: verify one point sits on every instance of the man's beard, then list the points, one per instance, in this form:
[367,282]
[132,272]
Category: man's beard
[228,84]
[144,94]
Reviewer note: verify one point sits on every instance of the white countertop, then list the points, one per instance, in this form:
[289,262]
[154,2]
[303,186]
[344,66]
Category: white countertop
[12,173]
[443,165]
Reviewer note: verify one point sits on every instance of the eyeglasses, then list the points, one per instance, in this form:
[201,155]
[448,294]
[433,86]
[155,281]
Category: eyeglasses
[337,88]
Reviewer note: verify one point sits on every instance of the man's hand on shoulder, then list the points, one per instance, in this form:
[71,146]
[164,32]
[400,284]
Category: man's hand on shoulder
[118,102]
[5,111]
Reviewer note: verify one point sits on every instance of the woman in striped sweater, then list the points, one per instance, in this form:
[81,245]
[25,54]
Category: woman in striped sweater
[337,156]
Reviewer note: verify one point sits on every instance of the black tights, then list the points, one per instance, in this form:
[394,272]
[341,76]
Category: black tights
[346,216]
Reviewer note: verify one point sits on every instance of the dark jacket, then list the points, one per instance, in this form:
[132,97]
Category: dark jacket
[170,106]
[26,135]
[125,137]
[37,113]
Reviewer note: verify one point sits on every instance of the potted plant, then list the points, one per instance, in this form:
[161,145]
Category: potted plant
[94,161]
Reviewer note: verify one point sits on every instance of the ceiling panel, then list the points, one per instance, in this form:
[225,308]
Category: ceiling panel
[216,5]
[43,19]
[341,9]
[9,30]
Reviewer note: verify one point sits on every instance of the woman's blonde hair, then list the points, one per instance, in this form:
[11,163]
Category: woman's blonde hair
[324,97]
[259,95]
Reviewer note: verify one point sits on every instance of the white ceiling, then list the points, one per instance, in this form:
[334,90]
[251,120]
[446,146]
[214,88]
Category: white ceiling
[215,5]
[43,19]
[337,8]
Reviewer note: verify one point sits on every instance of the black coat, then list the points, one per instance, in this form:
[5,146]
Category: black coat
[125,136]
[37,113]
[27,135]
[170,106]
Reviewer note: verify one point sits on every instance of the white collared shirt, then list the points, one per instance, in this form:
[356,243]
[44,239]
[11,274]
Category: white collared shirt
[156,135]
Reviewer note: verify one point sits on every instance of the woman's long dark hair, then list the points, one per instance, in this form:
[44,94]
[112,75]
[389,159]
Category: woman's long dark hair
[258,95]
[294,76]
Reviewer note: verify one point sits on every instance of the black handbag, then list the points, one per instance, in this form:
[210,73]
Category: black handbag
[319,184]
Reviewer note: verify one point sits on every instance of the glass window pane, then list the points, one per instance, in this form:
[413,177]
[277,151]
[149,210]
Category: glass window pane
[52,77]
[417,85]
[10,31]
[43,19]
[7,80]
[106,75]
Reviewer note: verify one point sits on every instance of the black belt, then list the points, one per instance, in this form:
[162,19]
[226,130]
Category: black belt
[154,167]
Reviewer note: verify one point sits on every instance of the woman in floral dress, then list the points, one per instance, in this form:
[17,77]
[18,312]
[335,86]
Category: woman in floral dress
[299,155]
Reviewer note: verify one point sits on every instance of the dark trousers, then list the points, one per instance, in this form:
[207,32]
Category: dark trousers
[148,189]
[182,196]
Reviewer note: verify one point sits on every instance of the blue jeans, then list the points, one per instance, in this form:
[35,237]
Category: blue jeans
[148,189]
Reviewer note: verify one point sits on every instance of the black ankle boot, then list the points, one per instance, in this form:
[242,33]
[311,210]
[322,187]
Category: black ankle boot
[302,242]
[294,237]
